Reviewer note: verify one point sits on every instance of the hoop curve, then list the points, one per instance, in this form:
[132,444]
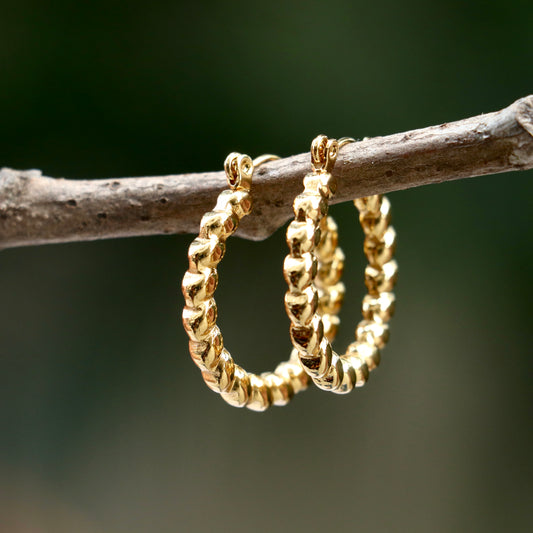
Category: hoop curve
[327,369]
[236,386]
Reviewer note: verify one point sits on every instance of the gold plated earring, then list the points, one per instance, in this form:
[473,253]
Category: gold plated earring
[236,386]
[328,370]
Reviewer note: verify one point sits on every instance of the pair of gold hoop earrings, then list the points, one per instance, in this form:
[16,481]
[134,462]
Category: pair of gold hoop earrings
[312,270]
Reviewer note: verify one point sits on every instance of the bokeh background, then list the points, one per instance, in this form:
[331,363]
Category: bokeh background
[106,424]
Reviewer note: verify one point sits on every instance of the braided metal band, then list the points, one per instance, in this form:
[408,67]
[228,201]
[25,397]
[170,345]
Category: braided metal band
[236,386]
[328,370]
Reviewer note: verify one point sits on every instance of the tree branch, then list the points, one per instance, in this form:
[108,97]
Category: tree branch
[35,209]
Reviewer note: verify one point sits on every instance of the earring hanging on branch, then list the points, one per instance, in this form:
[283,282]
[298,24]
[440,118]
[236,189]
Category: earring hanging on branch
[327,369]
[237,386]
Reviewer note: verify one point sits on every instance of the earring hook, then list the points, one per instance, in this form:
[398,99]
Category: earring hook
[265,158]
[239,169]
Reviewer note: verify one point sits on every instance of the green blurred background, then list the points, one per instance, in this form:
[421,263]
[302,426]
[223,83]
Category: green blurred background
[106,424]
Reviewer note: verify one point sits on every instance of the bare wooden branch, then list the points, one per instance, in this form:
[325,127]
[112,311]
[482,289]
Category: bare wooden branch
[35,209]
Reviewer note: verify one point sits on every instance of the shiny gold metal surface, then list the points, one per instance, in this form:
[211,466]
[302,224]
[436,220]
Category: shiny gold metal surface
[328,370]
[221,374]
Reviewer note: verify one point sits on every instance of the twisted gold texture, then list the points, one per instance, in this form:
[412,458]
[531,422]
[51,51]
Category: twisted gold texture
[236,386]
[328,370]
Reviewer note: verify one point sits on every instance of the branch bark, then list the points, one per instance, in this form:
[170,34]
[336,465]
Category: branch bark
[35,209]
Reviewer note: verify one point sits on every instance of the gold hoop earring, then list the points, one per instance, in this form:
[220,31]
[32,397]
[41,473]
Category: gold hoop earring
[329,371]
[236,386]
